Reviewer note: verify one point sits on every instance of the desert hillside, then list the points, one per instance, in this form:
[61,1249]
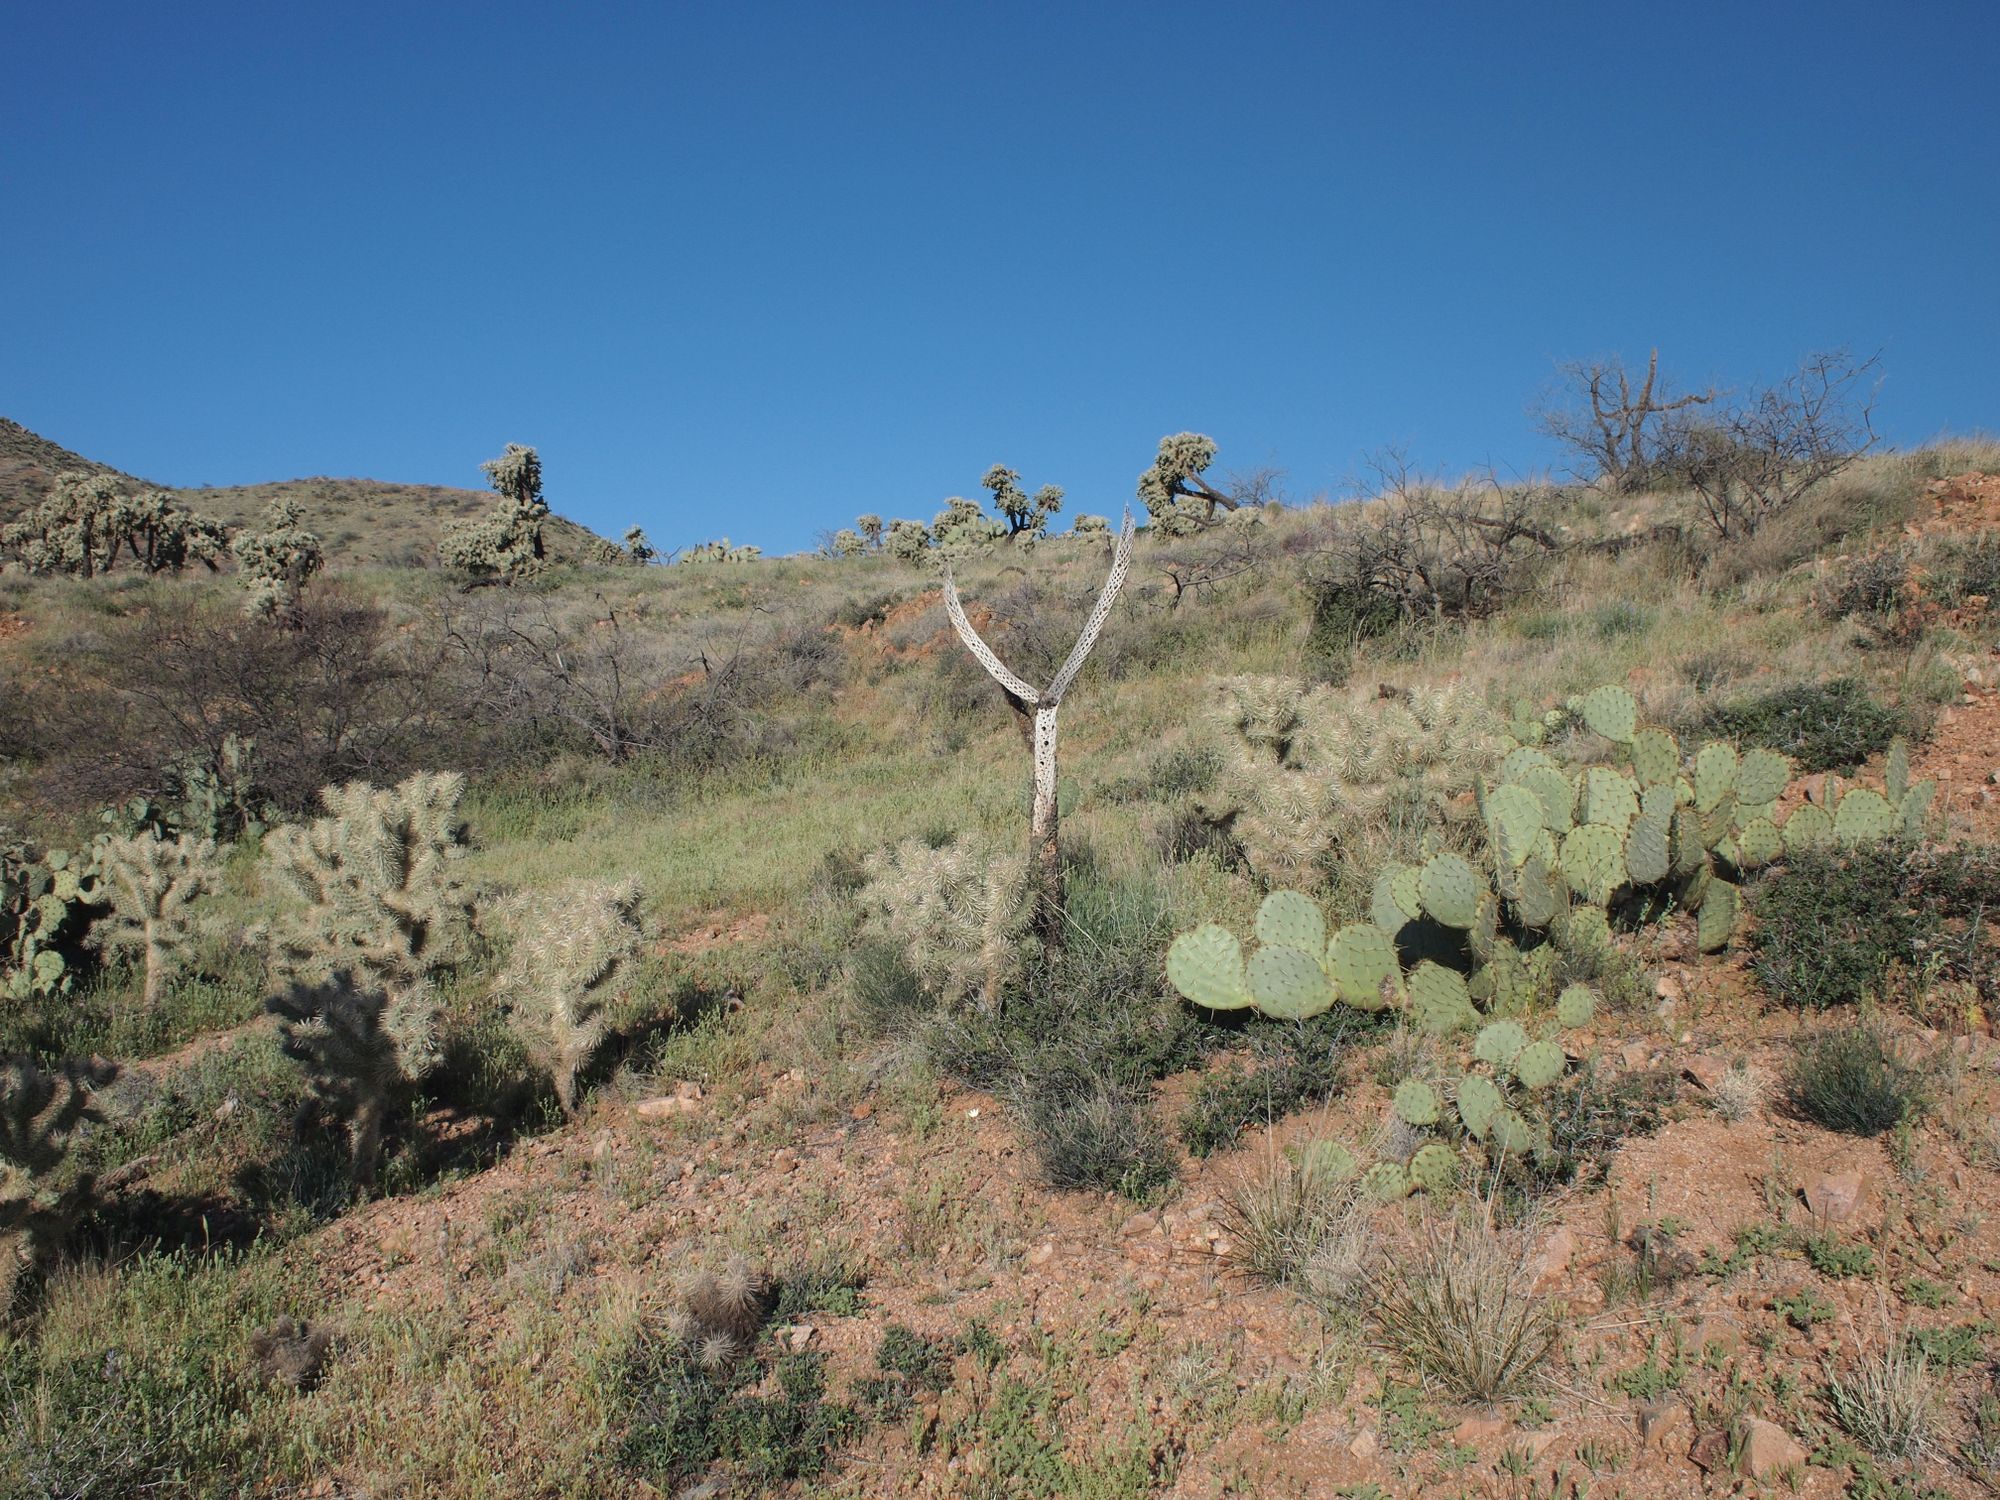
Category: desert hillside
[362,522]
[1514,1014]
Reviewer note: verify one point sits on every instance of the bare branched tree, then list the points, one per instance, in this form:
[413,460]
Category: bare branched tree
[1607,425]
[1759,456]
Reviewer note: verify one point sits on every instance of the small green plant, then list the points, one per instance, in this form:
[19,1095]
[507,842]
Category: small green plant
[1923,1292]
[1835,1258]
[1823,726]
[1803,1308]
[1296,1063]
[1952,1348]
[1854,1080]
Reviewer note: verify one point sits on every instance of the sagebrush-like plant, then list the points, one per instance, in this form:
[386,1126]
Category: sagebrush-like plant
[573,947]
[148,885]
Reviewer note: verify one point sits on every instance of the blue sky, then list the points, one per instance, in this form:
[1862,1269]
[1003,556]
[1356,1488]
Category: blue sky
[754,268]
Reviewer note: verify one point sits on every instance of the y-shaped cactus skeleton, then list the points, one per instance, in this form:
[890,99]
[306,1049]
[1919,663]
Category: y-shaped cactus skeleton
[1041,705]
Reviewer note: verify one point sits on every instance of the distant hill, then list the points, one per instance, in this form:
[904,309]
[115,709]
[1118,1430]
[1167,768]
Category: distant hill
[363,522]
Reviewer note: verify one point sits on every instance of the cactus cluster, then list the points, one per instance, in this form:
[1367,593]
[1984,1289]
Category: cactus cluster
[1665,824]
[1299,968]
[573,946]
[506,542]
[89,520]
[1313,777]
[274,561]
[45,902]
[378,909]
[720,552]
[41,1193]
[961,914]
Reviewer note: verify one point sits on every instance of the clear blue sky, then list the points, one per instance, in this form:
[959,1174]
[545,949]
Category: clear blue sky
[753,268]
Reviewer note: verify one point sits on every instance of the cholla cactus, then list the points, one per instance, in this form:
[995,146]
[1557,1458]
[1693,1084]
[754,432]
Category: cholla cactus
[909,541]
[721,552]
[870,527]
[357,1048]
[573,947]
[41,1112]
[638,551]
[274,562]
[1315,775]
[962,527]
[506,542]
[962,915]
[149,883]
[1024,516]
[1090,528]
[378,902]
[1175,495]
[89,519]
[849,544]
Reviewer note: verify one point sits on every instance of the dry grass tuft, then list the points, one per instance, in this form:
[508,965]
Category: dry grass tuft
[1889,1403]
[1457,1308]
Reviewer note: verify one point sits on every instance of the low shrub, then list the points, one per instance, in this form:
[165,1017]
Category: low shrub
[1293,1064]
[1887,921]
[1823,726]
[1853,1079]
[1091,1133]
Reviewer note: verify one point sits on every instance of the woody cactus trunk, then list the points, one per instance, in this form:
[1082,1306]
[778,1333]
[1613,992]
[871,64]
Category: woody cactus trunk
[1039,706]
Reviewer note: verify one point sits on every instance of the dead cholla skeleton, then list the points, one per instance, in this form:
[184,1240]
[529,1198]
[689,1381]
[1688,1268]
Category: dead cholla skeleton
[573,946]
[149,884]
[1038,708]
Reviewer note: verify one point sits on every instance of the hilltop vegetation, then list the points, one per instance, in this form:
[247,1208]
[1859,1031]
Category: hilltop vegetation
[605,1033]
[361,522]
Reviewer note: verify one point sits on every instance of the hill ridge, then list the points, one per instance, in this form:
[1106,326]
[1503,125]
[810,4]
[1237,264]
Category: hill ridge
[362,522]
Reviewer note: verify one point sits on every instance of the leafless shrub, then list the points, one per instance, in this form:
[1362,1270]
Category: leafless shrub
[1753,459]
[1420,549]
[1610,428]
[340,697]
